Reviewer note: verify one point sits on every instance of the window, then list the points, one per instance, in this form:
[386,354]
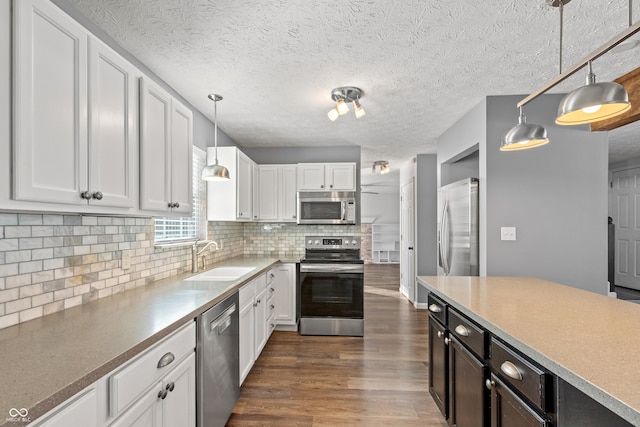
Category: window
[189,227]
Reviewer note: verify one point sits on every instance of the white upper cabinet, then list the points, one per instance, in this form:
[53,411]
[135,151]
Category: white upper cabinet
[113,138]
[326,176]
[276,193]
[231,200]
[165,151]
[50,105]
[74,113]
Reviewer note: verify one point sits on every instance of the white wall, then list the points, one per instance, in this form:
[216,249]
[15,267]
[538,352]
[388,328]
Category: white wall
[384,207]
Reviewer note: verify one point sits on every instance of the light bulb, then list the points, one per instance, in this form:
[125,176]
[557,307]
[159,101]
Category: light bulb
[342,107]
[333,114]
[358,110]
[592,109]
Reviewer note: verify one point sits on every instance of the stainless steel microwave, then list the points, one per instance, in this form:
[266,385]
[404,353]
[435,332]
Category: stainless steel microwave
[326,207]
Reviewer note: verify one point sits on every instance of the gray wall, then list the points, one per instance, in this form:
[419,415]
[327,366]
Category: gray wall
[203,128]
[555,195]
[292,155]
[426,219]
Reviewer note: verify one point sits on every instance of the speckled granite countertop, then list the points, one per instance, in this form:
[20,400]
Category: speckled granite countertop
[47,360]
[589,340]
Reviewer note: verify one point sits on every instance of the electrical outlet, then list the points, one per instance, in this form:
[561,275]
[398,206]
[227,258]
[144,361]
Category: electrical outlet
[126,260]
[507,233]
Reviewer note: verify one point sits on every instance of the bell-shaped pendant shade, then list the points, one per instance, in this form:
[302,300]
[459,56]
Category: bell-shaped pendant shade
[215,172]
[524,136]
[593,102]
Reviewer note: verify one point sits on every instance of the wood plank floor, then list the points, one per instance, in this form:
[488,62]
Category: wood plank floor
[378,380]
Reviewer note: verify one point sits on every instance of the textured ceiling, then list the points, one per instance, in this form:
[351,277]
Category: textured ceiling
[422,64]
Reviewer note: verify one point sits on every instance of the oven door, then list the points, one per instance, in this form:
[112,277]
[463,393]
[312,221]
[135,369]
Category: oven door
[327,293]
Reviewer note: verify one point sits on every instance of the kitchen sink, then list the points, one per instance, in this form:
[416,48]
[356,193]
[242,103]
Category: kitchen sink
[222,273]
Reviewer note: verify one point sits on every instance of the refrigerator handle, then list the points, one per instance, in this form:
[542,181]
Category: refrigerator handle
[440,242]
[445,237]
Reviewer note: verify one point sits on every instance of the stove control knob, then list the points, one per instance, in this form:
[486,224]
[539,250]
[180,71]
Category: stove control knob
[353,242]
[317,242]
[310,242]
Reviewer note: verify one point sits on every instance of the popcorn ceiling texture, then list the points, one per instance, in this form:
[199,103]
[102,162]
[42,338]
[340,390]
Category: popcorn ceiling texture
[49,263]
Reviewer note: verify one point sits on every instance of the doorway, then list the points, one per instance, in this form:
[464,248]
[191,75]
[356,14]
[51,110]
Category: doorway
[407,233]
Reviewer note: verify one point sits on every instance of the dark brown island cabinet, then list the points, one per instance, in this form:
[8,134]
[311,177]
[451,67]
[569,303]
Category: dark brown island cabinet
[477,380]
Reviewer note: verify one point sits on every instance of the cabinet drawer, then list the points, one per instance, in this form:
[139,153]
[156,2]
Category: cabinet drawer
[517,371]
[246,293]
[261,282]
[437,308]
[142,372]
[467,333]
[271,275]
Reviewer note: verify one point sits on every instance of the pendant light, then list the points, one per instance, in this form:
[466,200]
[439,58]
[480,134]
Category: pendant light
[593,102]
[524,135]
[215,172]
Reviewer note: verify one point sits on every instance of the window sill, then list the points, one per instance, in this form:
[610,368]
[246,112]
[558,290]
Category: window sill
[180,244]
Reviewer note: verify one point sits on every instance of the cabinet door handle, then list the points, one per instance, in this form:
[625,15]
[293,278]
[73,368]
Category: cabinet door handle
[489,383]
[272,306]
[435,308]
[462,331]
[165,360]
[322,186]
[272,290]
[511,370]
[440,334]
[447,341]
[331,186]
[85,195]
[97,195]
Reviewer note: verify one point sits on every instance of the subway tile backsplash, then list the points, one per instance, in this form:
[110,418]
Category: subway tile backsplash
[53,262]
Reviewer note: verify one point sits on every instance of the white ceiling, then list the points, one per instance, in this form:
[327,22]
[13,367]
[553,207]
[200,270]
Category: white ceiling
[421,63]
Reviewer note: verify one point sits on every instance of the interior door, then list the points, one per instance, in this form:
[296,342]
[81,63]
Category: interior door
[407,235]
[625,204]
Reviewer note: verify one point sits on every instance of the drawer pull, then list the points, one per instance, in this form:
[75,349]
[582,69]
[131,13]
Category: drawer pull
[165,360]
[462,331]
[489,383]
[511,370]
[440,334]
[435,308]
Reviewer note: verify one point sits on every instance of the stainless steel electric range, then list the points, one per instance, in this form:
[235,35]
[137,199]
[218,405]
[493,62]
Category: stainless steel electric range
[331,287]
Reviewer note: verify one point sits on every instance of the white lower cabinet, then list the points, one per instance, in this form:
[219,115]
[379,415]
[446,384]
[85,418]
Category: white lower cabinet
[285,296]
[171,402]
[157,388]
[79,411]
[254,317]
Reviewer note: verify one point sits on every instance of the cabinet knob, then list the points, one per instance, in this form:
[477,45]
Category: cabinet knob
[293,216]
[410,248]
[272,306]
[162,394]
[171,386]
[322,186]
[176,205]
[489,383]
[85,195]
[447,341]
[97,195]
[331,186]
[170,204]
[440,334]
[272,290]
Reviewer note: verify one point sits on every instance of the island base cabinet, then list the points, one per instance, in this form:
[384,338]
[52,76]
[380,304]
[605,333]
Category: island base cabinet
[577,409]
[438,366]
[468,396]
[508,410]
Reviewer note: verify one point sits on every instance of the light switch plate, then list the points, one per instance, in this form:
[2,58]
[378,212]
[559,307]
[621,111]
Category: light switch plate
[126,260]
[507,233]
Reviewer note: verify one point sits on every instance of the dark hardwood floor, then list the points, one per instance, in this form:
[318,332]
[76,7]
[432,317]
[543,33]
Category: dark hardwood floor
[378,380]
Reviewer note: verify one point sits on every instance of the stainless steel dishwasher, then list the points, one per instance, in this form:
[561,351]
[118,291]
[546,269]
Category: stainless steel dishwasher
[218,377]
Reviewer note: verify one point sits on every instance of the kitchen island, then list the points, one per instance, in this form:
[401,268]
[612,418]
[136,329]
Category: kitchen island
[47,360]
[589,341]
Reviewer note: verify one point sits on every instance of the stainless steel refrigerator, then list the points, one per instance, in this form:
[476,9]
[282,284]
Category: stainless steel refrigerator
[458,239]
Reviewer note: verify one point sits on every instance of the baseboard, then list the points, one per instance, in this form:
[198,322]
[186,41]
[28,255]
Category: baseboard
[286,327]
[421,305]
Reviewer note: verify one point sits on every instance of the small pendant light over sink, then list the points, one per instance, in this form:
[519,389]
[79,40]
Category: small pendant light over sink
[215,172]
[524,135]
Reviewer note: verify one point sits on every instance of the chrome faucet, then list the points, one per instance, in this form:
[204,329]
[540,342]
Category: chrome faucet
[195,253]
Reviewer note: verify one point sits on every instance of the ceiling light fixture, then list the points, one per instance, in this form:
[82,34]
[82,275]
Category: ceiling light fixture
[524,135]
[593,102]
[608,98]
[342,96]
[382,164]
[215,172]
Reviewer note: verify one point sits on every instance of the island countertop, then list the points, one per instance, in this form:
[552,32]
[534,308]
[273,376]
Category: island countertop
[590,341]
[47,360]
